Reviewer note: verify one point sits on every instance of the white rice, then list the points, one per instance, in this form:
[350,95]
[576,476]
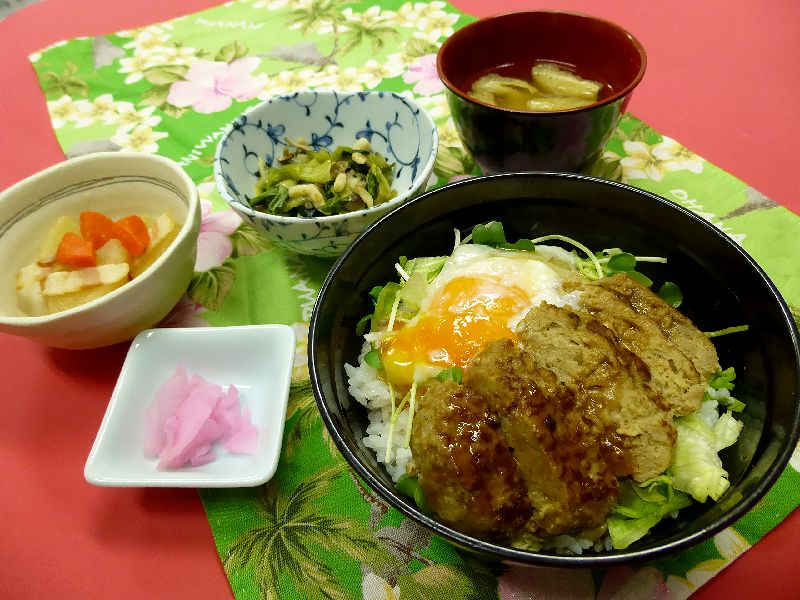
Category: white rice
[564,544]
[371,391]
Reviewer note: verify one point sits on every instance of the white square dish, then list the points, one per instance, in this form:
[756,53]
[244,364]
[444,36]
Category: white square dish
[257,359]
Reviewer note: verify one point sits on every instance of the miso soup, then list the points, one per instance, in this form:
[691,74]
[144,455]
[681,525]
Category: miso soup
[546,86]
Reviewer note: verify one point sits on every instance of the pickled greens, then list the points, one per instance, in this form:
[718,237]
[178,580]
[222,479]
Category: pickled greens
[314,183]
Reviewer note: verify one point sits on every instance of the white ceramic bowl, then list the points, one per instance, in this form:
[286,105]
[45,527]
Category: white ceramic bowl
[396,126]
[116,184]
[262,373]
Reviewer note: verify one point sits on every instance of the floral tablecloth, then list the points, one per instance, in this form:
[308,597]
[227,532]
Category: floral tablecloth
[315,530]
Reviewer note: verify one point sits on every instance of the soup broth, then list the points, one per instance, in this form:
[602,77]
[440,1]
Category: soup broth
[538,86]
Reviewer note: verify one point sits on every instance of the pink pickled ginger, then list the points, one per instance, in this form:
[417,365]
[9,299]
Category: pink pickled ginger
[189,416]
[168,397]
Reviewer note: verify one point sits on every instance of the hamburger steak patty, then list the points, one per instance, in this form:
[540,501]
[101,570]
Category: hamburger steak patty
[476,485]
[532,443]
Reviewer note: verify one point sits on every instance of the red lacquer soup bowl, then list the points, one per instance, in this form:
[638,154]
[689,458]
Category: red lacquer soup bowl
[509,140]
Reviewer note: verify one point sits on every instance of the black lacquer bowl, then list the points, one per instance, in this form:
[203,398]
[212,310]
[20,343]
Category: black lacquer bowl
[722,286]
[504,140]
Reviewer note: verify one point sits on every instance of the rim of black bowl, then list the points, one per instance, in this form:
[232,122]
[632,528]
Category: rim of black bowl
[541,559]
[611,99]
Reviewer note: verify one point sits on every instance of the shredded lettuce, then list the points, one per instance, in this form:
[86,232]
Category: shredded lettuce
[696,467]
[732,404]
[412,409]
[640,507]
[696,471]
[361,326]
[430,266]
[396,412]
[402,299]
[383,305]
[391,425]
[413,291]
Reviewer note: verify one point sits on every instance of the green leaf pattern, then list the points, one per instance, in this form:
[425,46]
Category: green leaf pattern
[209,288]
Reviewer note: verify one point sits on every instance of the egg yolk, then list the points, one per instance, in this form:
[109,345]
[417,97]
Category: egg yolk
[463,316]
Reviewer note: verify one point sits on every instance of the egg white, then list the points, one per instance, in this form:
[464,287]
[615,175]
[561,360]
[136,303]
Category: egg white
[536,276]
[539,274]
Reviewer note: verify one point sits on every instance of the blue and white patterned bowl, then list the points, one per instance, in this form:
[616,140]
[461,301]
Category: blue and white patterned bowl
[396,126]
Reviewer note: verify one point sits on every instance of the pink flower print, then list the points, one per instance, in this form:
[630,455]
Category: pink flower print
[214,244]
[185,314]
[424,74]
[532,583]
[623,583]
[211,86]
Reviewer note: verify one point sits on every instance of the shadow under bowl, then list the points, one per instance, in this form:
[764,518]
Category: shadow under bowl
[722,286]
[507,140]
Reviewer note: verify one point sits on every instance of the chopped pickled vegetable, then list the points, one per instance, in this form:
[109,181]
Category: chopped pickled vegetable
[309,183]
[189,416]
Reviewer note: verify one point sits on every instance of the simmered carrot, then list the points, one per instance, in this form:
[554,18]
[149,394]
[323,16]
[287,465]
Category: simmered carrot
[75,251]
[133,234]
[96,227]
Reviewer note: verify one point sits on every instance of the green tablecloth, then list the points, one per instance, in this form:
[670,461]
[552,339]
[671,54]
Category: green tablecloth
[315,531]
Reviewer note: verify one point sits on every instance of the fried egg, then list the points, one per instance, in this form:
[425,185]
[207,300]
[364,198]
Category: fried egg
[480,295]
